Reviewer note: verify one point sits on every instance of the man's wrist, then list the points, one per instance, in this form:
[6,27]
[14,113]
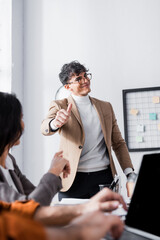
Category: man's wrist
[52,126]
[131,177]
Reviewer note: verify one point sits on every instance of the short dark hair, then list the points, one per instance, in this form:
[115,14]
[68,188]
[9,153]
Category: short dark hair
[70,69]
[10,120]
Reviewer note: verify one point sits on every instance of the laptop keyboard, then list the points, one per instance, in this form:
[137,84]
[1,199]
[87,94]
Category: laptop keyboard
[127,236]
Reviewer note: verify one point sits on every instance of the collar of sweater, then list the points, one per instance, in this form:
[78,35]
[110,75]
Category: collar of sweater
[81,99]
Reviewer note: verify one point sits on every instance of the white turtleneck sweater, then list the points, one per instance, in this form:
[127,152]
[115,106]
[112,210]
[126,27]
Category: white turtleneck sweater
[94,156]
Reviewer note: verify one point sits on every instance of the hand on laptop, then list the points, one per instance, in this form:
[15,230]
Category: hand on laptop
[105,200]
[95,225]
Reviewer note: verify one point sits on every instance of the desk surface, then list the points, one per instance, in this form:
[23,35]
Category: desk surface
[128,236]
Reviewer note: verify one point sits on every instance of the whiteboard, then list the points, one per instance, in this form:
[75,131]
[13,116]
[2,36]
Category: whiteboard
[141,108]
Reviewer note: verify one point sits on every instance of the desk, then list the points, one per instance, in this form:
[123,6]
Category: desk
[128,236]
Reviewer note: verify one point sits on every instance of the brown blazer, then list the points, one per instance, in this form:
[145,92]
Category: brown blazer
[72,135]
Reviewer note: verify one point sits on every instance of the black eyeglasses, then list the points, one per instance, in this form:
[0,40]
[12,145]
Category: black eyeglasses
[80,79]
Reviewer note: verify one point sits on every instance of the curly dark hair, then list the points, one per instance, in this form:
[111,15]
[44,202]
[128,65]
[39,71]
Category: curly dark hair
[70,69]
[10,120]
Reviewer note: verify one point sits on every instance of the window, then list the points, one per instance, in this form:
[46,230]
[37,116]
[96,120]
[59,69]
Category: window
[5,45]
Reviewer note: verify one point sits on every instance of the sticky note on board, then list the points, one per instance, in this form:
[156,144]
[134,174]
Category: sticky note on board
[134,111]
[139,139]
[159,127]
[152,116]
[140,128]
[156,99]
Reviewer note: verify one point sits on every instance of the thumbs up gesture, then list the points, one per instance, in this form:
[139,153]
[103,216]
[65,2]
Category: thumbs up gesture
[62,116]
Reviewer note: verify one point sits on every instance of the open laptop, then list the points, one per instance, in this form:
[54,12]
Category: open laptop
[142,220]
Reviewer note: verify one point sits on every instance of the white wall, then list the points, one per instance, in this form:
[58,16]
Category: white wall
[17,64]
[117,40]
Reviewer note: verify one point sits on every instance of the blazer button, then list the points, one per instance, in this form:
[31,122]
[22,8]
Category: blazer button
[80,147]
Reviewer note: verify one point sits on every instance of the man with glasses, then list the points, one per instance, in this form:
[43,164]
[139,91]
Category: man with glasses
[88,131]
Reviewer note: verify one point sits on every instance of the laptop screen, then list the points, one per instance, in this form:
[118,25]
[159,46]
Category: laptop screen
[144,210]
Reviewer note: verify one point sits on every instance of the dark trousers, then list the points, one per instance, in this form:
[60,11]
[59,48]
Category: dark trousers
[86,185]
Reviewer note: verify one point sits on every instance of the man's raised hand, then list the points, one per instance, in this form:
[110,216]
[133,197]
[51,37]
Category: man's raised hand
[62,116]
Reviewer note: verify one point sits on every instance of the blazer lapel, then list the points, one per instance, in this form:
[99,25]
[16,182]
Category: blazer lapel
[2,177]
[16,181]
[74,110]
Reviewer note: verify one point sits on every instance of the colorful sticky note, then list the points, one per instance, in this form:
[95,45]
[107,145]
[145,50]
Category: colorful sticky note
[139,139]
[152,116]
[134,111]
[156,99]
[140,128]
